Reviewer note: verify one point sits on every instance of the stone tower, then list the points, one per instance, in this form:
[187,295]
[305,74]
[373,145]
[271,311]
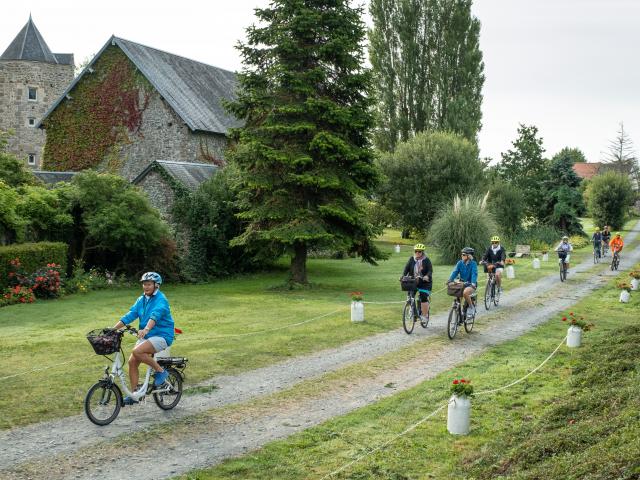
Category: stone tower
[31,79]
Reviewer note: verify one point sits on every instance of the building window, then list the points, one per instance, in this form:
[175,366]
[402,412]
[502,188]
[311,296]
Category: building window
[32,122]
[33,94]
[32,159]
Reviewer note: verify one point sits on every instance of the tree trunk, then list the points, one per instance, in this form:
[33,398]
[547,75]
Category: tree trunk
[298,271]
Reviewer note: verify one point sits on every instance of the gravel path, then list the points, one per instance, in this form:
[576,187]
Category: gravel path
[70,446]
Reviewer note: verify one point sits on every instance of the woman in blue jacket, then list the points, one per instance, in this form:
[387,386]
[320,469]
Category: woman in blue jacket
[155,332]
[467,270]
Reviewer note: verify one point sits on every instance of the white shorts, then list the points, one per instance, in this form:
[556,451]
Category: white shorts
[158,343]
[499,270]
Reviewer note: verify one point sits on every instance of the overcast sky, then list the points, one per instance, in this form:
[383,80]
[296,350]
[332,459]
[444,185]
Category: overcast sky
[569,67]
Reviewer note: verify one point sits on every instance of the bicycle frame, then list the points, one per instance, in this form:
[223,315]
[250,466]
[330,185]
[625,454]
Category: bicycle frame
[117,370]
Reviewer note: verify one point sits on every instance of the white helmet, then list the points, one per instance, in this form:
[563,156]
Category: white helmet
[153,276]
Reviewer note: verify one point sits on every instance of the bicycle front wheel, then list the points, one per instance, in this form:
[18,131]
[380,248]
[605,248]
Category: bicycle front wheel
[487,294]
[407,318]
[563,272]
[102,403]
[496,295]
[169,399]
[452,323]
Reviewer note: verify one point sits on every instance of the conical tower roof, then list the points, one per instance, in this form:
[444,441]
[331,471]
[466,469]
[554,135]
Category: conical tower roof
[29,45]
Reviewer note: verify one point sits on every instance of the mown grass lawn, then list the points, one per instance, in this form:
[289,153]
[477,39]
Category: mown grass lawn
[575,418]
[219,321]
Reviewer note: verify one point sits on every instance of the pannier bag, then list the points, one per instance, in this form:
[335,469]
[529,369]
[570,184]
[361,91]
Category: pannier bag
[408,284]
[104,341]
[455,289]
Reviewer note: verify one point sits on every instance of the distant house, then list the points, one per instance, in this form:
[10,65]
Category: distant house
[587,171]
[162,180]
[134,105]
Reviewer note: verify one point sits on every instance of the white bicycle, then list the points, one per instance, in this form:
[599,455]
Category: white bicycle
[104,399]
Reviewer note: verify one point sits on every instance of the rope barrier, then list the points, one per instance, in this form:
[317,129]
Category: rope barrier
[37,370]
[424,419]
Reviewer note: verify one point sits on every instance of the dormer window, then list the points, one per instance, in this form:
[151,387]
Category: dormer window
[33,94]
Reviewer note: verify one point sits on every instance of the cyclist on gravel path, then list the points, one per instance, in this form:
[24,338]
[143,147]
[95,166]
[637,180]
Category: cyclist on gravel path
[155,333]
[606,235]
[564,249]
[616,244]
[596,239]
[419,266]
[467,270]
[495,255]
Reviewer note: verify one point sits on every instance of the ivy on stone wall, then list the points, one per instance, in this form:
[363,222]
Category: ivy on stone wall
[105,108]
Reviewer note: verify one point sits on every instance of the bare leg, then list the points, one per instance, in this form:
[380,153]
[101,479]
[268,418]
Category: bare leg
[133,371]
[424,306]
[467,294]
[498,278]
[143,353]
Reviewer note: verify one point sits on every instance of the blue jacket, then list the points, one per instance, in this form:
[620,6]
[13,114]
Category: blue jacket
[468,272]
[155,308]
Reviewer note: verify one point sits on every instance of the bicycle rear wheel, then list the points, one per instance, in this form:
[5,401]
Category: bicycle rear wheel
[168,400]
[102,403]
[408,321]
[452,323]
[563,272]
[488,289]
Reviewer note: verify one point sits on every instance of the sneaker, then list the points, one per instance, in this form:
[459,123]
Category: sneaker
[471,311]
[160,378]
[129,401]
[424,320]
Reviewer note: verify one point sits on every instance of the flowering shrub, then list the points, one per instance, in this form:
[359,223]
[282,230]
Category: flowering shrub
[510,261]
[17,294]
[462,388]
[83,281]
[17,275]
[46,282]
[635,274]
[624,286]
[576,321]
[357,296]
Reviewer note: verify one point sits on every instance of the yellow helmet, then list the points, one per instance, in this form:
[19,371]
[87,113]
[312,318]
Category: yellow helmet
[419,246]
[495,238]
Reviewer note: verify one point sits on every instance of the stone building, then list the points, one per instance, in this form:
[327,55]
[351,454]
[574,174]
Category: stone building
[31,79]
[134,105]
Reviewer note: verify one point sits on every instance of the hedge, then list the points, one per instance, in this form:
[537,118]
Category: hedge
[32,257]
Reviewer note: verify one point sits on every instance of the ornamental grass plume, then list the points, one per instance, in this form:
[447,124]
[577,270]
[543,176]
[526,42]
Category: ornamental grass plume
[462,388]
[577,321]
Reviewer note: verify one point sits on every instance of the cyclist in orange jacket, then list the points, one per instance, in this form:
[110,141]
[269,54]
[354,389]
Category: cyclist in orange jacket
[616,243]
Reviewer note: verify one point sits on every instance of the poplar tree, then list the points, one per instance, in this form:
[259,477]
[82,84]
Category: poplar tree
[427,67]
[304,153]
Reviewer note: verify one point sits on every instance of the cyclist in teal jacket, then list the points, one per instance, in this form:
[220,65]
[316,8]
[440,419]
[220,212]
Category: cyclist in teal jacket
[467,270]
[155,333]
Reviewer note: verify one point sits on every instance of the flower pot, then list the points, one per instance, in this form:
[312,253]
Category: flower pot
[511,272]
[545,257]
[574,336]
[357,311]
[459,415]
[536,263]
[635,283]
[397,248]
[625,296]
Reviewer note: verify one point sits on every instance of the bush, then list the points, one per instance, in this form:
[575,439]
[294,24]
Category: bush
[463,223]
[579,241]
[425,173]
[83,281]
[609,196]
[506,202]
[540,237]
[17,294]
[33,256]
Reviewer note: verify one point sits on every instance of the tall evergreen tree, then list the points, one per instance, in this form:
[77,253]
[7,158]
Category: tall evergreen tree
[304,152]
[428,68]
[524,167]
[621,156]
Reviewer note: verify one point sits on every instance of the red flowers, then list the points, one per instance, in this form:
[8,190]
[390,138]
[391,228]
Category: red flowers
[456,382]
[462,387]
[564,319]
[576,321]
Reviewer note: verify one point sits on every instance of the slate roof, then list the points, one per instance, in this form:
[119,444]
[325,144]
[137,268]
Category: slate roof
[191,175]
[587,170]
[193,89]
[51,178]
[29,45]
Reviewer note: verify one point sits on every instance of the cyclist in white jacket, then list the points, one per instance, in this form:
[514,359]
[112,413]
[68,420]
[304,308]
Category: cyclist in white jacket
[564,249]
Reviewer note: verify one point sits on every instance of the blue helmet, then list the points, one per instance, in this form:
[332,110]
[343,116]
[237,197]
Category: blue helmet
[153,276]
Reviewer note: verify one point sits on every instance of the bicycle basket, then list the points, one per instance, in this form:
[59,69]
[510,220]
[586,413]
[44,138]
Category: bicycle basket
[104,341]
[455,289]
[408,284]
